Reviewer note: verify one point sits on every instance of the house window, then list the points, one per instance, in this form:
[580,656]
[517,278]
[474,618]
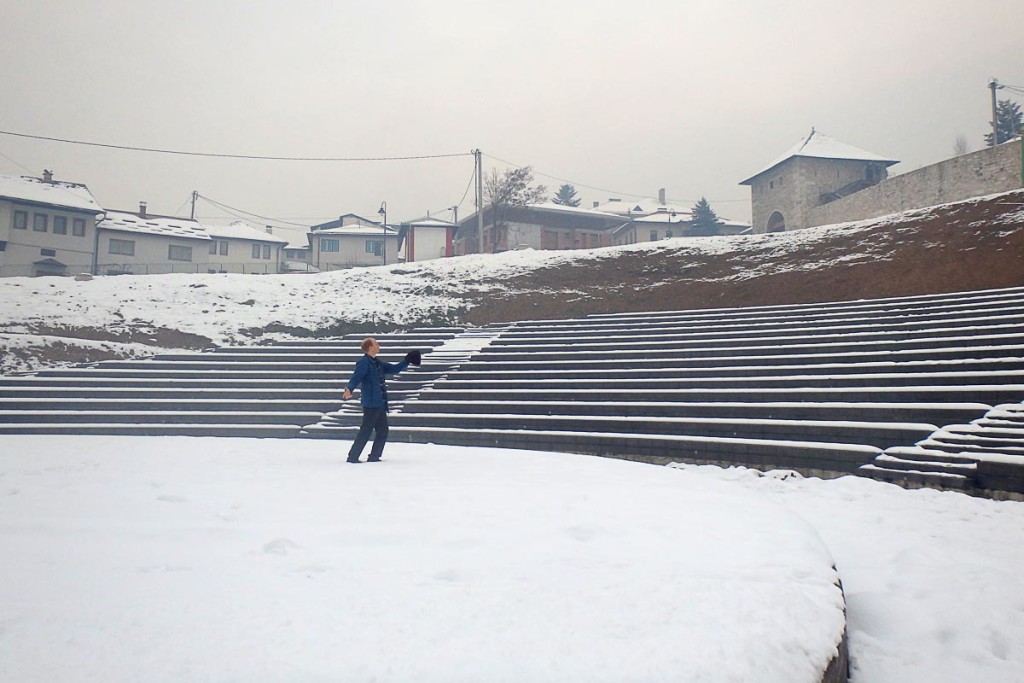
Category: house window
[60,225]
[654,235]
[48,252]
[223,248]
[771,185]
[266,251]
[329,245]
[40,221]
[374,247]
[123,247]
[21,220]
[255,251]
[78,227]
[213,247]
[176,253]
[3,246]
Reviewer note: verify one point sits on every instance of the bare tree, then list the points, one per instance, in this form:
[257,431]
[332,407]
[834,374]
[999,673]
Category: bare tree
[503,191]
[961,146]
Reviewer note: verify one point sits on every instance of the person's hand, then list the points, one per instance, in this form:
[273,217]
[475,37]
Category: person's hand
[413,357]
[347,395]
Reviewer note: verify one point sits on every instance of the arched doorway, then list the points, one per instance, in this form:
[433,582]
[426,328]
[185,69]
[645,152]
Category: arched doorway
[776,222]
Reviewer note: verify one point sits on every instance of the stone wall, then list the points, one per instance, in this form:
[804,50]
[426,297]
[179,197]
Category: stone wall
[986,171]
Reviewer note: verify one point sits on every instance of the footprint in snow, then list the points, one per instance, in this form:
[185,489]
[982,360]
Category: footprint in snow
[279,546]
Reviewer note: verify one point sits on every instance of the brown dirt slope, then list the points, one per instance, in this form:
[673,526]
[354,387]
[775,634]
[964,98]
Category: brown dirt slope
[971,245]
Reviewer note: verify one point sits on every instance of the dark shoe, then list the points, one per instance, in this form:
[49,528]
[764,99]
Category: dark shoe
[354,462]
[373,460]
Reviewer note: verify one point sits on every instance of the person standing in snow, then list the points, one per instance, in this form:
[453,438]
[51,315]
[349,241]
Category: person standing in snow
[369,377]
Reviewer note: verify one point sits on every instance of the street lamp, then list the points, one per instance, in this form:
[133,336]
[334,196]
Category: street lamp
[383,211]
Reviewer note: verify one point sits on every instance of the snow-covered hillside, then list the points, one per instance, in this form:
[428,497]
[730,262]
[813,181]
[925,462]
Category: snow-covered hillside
[54,321]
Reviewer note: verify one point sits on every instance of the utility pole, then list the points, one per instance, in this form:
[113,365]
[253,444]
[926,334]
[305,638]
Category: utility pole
[994,85]
[479,201]
[195,195]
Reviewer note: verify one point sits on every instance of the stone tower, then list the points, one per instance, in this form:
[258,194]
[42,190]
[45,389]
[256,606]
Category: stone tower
[816,171]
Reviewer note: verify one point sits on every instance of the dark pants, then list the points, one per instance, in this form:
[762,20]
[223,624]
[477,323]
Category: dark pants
[374,420]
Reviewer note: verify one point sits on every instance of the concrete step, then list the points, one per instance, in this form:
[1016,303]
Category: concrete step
[945,355]
[877,434]
[762,454]
[987,394]
[934,467]
[480,371]
[762,347]
[266,417]
[120,429]
[879,380]
[642,337]
[912,479]
[933,413]
[44,405]
[755,329]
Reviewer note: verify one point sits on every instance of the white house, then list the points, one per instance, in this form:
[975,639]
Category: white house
[297,258]
[352,241]
[142,243]
[426,238]
[47,227]
[241,247]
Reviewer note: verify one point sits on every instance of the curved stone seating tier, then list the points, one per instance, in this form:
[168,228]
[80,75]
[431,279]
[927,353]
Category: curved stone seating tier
[850,381]
[735,347]
[258,391]
[932,413]
[677,332]
[912,389]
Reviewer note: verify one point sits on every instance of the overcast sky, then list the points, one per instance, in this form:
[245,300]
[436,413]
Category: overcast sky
[618,98]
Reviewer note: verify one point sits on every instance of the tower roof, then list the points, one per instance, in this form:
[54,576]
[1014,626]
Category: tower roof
[821,146]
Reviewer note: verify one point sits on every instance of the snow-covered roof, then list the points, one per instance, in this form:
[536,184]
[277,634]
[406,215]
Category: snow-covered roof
[153,225]
[666,217]
[241,230]
[821,146]
[429,222]
[298,245]
[360,230]
[72,196]
[634,207]
[563,208]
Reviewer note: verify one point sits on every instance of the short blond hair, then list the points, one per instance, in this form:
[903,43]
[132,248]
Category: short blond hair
[367,343]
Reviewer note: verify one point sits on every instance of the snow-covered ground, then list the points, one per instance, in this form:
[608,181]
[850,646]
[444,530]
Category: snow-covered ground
[170,559]
[175,558]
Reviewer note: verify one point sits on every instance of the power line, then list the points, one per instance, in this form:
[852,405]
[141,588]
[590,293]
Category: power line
[241,213]
[16,163]
[230,156]
[600,189]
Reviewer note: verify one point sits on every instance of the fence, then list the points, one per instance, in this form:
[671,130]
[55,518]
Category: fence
[41,269]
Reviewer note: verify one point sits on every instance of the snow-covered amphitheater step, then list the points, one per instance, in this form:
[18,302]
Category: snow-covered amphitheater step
[225,393]
[910,389]
[738,386]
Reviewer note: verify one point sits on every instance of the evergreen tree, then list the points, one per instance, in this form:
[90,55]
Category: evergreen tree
[1008,122]
[705,221]
[566,196]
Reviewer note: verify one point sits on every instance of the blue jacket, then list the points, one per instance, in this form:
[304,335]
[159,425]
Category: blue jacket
[369,377]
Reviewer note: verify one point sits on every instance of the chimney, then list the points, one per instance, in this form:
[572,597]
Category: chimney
[597,204]
[661,196]
[270,229]
[47,176]
[142,209]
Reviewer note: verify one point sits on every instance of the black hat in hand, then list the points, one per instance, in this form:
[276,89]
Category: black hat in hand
[413,357]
